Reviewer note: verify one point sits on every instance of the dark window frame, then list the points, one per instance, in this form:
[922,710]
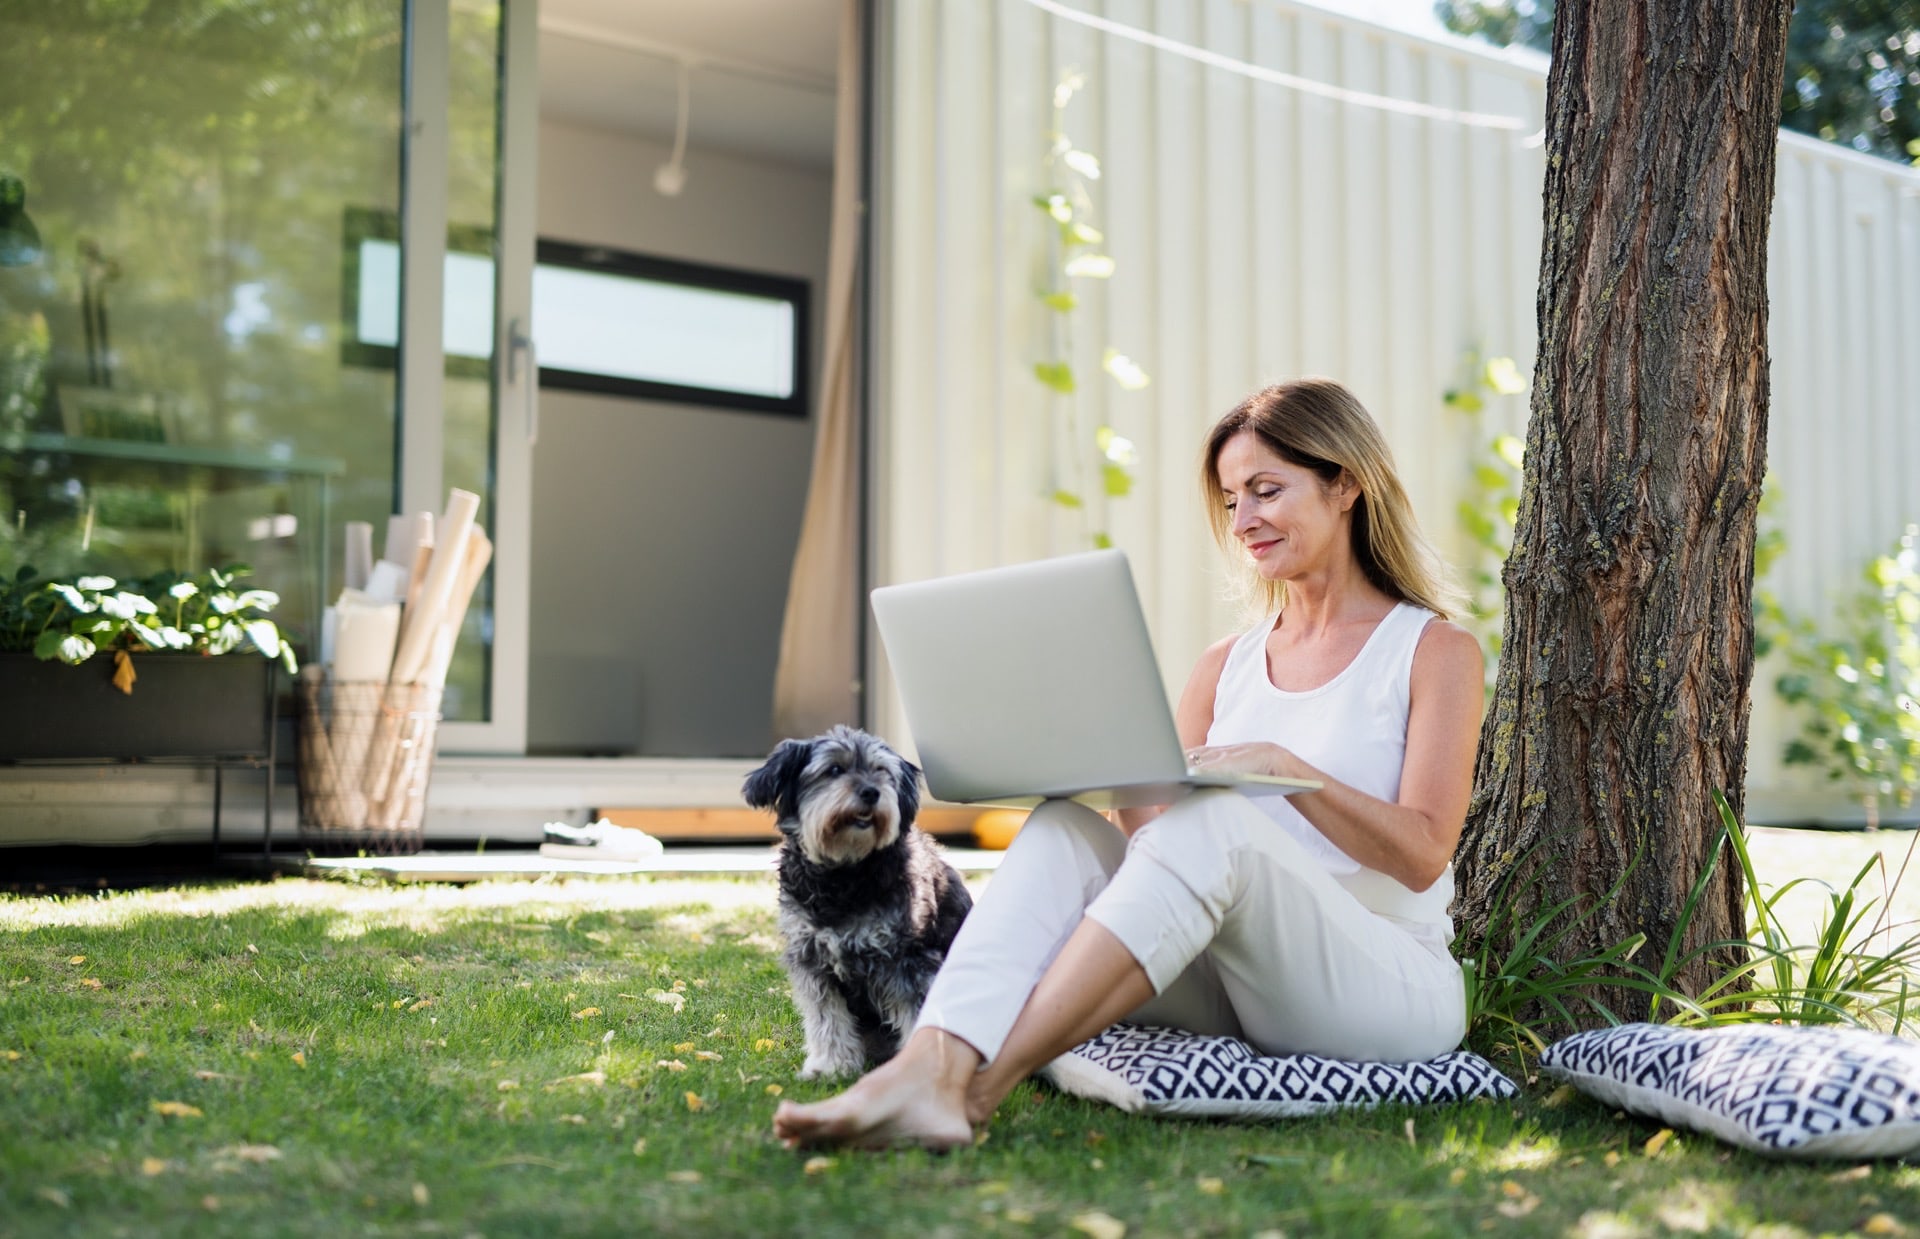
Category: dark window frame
[363,224]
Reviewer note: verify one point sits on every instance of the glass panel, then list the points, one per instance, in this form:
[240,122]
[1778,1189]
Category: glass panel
[473,158]
[626,327]
[173,393]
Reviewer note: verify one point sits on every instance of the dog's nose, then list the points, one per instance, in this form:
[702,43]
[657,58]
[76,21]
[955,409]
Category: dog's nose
[869,795]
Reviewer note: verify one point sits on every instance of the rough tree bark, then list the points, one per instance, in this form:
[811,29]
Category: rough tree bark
[1622,696]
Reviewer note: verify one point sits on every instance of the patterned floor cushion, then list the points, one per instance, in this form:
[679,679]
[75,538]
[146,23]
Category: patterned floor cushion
[1166,1071]
[1792,1091]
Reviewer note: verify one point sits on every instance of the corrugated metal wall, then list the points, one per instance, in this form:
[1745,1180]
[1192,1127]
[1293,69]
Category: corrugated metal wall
[1261,231]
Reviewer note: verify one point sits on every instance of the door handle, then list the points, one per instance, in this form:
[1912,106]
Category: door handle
[520,344]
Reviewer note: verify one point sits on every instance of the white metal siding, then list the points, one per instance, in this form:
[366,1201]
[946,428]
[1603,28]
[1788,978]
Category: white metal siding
[1261,232]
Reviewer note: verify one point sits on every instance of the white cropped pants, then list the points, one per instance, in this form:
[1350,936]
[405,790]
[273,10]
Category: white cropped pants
[1241,932]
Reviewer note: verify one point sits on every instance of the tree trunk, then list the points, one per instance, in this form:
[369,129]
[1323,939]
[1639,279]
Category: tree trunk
[1622,696]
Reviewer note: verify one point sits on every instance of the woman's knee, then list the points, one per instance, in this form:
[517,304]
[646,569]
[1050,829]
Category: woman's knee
[1062,834]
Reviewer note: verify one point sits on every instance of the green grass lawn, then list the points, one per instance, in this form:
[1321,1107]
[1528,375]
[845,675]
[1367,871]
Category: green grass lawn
[602,1058]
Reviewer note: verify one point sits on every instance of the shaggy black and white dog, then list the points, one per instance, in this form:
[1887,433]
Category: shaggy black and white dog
[867,904]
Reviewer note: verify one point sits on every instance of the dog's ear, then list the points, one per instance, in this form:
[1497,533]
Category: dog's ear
[907,793]
[776,785]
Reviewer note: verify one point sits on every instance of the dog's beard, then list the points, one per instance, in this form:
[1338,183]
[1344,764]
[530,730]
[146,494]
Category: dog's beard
[838,828]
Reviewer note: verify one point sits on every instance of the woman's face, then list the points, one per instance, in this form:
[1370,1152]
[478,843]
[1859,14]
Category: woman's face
[1290,523]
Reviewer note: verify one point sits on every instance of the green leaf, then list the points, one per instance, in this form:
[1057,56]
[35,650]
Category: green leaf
[1117,479]
[1124,369]
[1504,377]
[1090,266]
[1463,400]
[67,647]
[1067,499]
[1065,302]
[1055,374]
[1101,542]
[1084,163]
[1080,234]
[265,637]
[1057,206]
[1510,449]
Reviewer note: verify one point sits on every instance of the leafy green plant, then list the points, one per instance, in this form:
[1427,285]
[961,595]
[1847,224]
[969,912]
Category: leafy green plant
[1074,255]
[1838,977]
[1853,971]
[74,620]
[1854,688]
[1491,505]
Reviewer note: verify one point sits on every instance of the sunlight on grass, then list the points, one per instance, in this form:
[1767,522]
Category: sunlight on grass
[423,908]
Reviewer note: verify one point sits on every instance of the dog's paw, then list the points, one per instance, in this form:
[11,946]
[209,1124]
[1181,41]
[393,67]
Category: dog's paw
[820,1067]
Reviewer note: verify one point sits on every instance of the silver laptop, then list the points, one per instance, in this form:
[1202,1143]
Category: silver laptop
[1039,680]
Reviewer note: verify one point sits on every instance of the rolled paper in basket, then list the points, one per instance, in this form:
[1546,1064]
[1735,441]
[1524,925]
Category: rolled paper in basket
[443,573]
[359,553]
[397,798]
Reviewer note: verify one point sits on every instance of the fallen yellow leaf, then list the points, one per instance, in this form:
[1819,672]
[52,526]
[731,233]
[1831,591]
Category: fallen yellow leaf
[1882,1224]
[764,1043]
[1848,1176]
[671,999]
[1098,1225]
[299,1058]
[595,1079]
[77,960]
[123,678]
[421,1196]
[1612,1158]
[13,1056]
[683,1176]
[1559,1097]
[694,1103]
[424,1002]
[90,982]
[819,1165]
[54,1196]
[586,1013]
[1657,1141]
[707,1056]
[683,1047]
[670,1064]
[774,1090]
[151,1166]
[578,1120]
[1210,1186]
[1457,1175]
[1512,1189]
[507,1086]
[210,1203]
[176,1109]
[258,1154]
[640,1147]
[1022,1216]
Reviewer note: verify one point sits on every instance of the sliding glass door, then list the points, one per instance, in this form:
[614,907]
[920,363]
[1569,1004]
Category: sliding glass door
[182,385]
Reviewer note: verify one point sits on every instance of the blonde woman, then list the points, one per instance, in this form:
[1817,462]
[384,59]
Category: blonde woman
[1314,923]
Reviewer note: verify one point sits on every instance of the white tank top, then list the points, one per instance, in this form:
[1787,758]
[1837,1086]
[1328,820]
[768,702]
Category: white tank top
[1354,729]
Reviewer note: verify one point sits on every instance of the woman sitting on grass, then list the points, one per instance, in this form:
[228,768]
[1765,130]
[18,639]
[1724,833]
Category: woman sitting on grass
[1313,923]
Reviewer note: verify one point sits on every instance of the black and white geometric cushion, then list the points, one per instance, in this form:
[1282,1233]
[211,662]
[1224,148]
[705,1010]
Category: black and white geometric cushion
[1167,1071]
[1791,1091]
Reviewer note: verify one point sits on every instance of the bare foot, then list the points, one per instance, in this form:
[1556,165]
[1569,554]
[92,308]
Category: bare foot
[918,1098]
[877,1115]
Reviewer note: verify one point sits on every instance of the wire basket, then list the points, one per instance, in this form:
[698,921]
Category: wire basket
[366,757]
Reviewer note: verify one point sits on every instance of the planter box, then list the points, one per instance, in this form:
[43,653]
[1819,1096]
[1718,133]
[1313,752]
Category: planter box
[182,705]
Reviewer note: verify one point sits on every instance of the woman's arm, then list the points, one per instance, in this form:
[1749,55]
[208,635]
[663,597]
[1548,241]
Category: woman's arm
[1411,840]
[1191,718]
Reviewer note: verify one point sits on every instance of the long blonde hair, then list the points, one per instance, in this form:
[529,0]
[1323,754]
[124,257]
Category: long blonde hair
[1319,425]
